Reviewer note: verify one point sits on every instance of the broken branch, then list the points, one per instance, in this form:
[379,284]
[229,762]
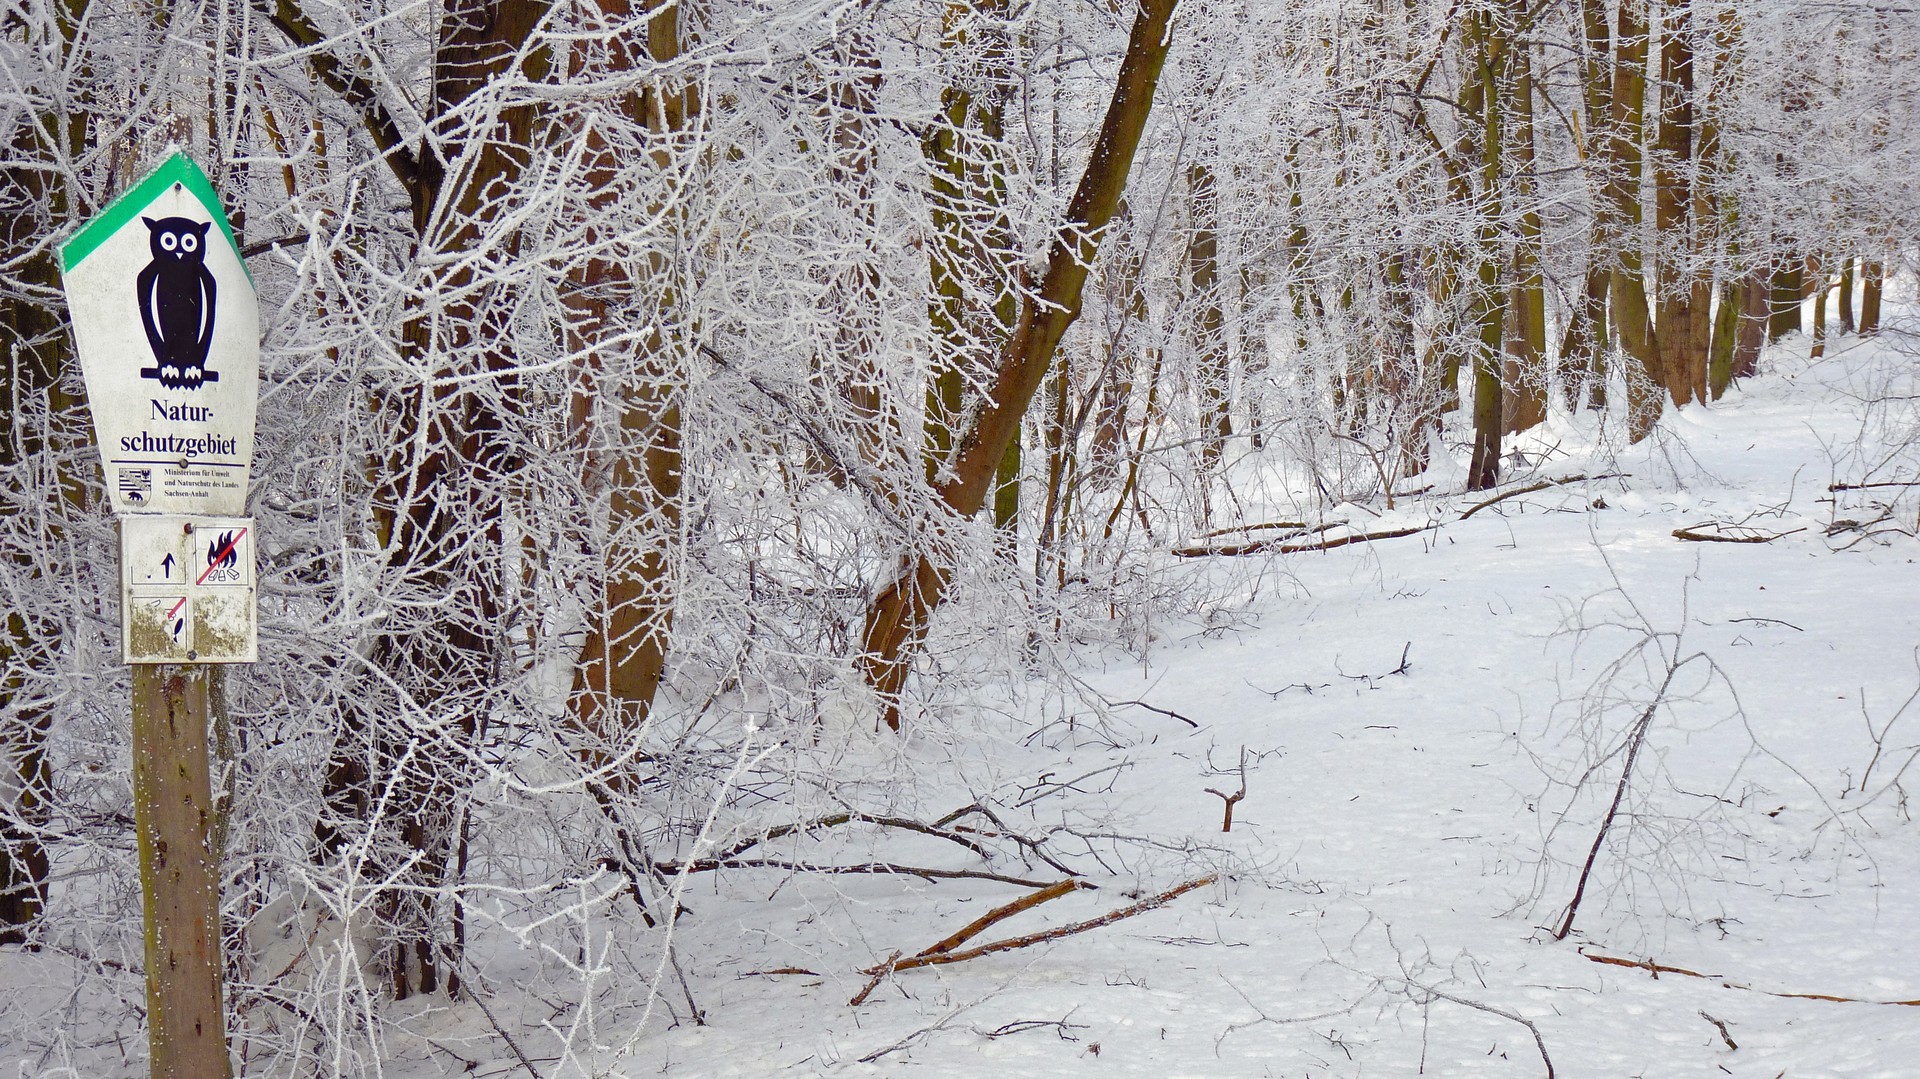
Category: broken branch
[931,958]
[1718,535]
[1657,969]
[1003,912]
[1532,487]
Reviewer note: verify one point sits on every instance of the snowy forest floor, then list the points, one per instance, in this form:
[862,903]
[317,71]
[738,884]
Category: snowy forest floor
[1432,729]
[1409,840]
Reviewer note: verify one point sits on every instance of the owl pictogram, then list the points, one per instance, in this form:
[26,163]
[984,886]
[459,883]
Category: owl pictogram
[176,303]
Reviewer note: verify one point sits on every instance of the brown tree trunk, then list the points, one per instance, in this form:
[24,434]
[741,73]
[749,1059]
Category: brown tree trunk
[1817,289]
[1487,47]
[1847,325]
[1526,365]
[1211,371]
[1627,292]
[1726,328]
[626,425]
[1787,293]
[1751,335]
[1582,372]
[411,757]
[1677,335]
[35,359]
[897,618]
[1873,276]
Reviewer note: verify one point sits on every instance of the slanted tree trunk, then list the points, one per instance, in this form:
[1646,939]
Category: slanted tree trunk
[897,618]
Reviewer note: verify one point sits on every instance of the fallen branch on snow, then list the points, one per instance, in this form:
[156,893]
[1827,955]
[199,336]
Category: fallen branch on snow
[1866,486]
[933,956]
[1287,544]
[1284,545]
[1532,487]
[1721,535]
[1657,969]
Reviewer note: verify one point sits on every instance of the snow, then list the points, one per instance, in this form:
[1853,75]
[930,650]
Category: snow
[1432,729]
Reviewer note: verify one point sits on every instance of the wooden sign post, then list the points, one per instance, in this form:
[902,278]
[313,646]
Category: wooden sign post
[168,331]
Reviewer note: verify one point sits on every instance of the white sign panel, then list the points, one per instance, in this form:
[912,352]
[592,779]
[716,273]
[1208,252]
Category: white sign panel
[187,590]
[168,331]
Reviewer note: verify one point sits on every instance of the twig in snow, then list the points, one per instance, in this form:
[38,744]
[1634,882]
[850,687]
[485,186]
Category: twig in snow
[1162,711]
[1775,621]
[874,977]
[1021,1026]
[1226,824]
[903,1043]
[1538,1041]
[1724,1036]
[518,1053]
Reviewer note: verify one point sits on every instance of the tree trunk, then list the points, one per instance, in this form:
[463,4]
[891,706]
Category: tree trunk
[1676,333]
[1726,328]
[1787,293]
[36,358]
[1817,289]
[1847,325]
[1627,290]
[1526,370]
[626,422]
[972,252]
[1873,276]
[1211,372]
[897,618]
[439,502]
[1487,45]
[1583,377]
[1755,290]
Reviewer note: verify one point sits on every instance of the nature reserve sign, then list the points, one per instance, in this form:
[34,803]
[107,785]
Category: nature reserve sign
[168,331]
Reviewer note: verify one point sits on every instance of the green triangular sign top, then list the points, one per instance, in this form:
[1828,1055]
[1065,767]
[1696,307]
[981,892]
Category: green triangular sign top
[168,330]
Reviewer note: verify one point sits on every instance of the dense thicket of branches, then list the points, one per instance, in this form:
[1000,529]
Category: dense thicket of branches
[651,389]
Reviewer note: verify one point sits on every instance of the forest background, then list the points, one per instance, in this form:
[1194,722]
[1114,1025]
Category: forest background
[686,427]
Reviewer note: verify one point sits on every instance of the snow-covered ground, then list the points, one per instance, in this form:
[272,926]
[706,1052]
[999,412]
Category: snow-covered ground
[1429,731]
[1412,832]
